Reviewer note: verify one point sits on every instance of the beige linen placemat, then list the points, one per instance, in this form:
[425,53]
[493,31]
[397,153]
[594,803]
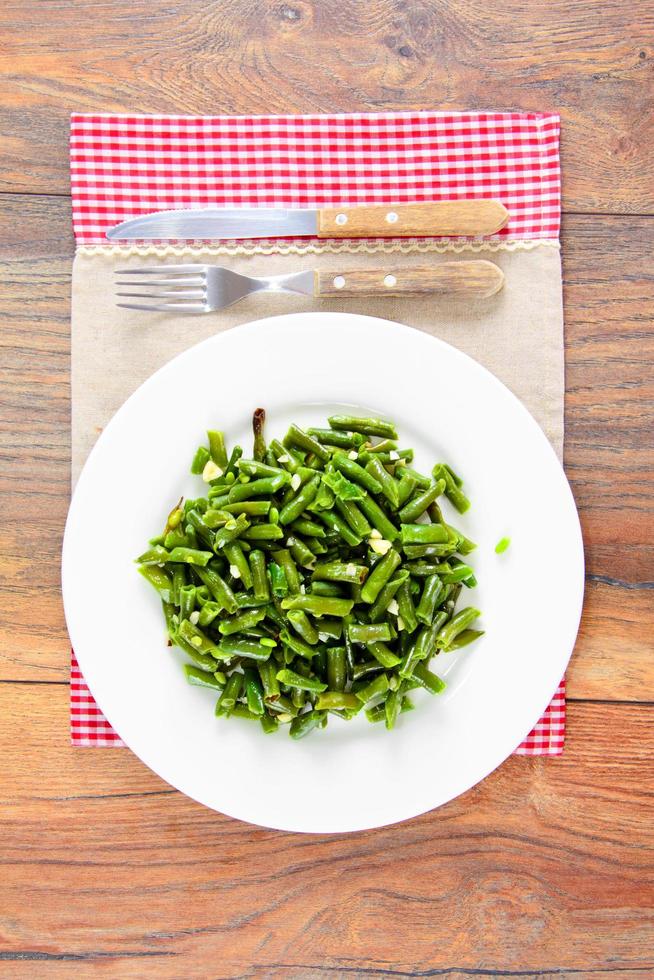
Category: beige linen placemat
[517,334]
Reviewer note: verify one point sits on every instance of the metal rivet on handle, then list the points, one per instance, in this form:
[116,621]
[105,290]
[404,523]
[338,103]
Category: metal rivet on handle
[341,219]
[390,281]
[391,217]
[339,282]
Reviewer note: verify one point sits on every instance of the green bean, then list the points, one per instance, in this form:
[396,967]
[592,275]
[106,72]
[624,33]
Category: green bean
[238,563]
[268,724]
[292,679]
[422,482]
[373,689]
[266,486]
[367,426]
[385,446]
[380,575]
[218,588]
[456,625]
[278,581]
[232,530]
[300,552]
[160,579]
[178,583]
[200,460]
[227,700]
[298,646]
[327,588]
[292,510]
[366,667]
[386,596]
[464,638]
[369,633]
[257,564]
[242,622]
[236,646]
[389,485]
[336,669]
[500,547]
[453,490]
[200,678]
[259,446]
[413,551]
[190,556]
[461,573]
[351,513]
[285,562]
[208,613]
[263,532]
[335,523]
[336,571]
[330,628]
[270,684]
[253,691]
[217,449]
[156,555]
[253,508]
[431,682]
[318,605]
[303,625]
[406,486]
[355,472]
[331,700]
[343,440]
[186,601]
[384,654]
[298,437]
[419,503]
[431,594]
[253,467]
[285,456]
[406,607]
[195,638]
[309,528]
[392,708]
[305,723]
[423,534]
[378,518]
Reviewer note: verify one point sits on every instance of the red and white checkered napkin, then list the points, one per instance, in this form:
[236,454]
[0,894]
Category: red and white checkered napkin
[124,166]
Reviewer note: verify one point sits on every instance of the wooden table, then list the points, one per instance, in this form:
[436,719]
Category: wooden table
[546,867]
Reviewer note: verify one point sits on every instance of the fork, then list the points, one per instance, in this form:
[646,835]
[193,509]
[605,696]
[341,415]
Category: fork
[196,288]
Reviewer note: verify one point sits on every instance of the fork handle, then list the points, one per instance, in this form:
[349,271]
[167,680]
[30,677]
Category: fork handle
[481,217]
[477,279]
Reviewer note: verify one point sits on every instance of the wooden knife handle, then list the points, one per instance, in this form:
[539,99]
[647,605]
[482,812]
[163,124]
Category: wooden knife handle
[482,217]
[477,279]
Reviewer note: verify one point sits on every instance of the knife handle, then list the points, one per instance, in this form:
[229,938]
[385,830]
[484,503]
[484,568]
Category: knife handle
[483,217]
[477,279]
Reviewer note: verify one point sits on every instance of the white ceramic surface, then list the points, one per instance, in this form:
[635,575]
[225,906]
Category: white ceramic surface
[353,775]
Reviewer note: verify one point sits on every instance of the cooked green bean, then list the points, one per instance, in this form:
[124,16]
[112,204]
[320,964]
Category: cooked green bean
[257,563]
[383,654]
[423,534]
[298,646]
[298,504]
[308,528]
[200,678]
[367,426]
[349,468]
[373,689]
[337,524]
[389,485]
[303,625]
[431,682]
[236,646]
[266,486]
[298,437]
[453,490]
[285,561]
[242,622]
[238,563]
[300,552]
[369,633]
[386,596]
[331,437]
[230,695]
[380,575]
[318,605]
[305,723]
[292,679]
[456,625]
[336,571]
[331,700]
[378,518]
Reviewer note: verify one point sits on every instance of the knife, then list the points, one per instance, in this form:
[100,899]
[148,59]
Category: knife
[438,218]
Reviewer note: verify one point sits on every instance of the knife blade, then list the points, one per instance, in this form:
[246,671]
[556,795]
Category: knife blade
[437,218]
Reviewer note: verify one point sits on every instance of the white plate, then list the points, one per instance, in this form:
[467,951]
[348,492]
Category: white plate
[353,775]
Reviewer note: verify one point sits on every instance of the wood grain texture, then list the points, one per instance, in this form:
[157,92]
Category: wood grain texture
[477,279]
[609,441]
[593,61]
[409,220]
[547,862]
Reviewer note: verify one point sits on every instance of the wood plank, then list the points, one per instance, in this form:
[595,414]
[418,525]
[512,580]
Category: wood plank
[610,345]
[589,60]
[547,862]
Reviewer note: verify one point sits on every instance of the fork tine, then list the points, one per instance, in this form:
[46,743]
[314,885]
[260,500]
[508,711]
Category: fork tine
[159,269]
[146,283]
[166,307]
[169,294]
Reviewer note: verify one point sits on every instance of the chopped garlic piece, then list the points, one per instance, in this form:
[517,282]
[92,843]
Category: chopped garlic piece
[400,623]
[196,641]
[234,572]
[303,589]
[194,617]
[284,459]
[393,607]
[393,454]
[323,637]
[353,454]
[351,569]
[380,547]
[211,471]
[375,533]
[296,481]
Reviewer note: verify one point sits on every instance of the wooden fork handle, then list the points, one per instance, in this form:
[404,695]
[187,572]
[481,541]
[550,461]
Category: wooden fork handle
[477,279]
[482,217]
